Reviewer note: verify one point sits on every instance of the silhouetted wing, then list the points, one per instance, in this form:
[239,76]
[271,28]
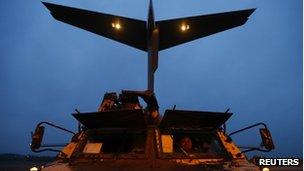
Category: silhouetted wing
[171,32]
[131,31]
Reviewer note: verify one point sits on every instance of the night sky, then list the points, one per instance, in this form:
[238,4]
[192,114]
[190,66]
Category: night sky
[48,68]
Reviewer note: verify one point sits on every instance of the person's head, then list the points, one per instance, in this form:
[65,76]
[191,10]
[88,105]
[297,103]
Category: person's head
[205,146]
[186,143]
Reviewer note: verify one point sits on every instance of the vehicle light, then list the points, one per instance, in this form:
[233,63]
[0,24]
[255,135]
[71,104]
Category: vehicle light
[265,169]
[34,169]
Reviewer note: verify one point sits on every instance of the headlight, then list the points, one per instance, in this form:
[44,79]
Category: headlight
[34,169]
[265,169]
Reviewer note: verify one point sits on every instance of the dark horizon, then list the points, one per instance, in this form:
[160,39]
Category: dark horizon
[49,68]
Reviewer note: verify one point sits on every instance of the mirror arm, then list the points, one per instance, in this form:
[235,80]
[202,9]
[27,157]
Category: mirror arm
[55,126]
[34,149]
[49,149]
[54,145]
[257,149]
[248,127]
[45,149]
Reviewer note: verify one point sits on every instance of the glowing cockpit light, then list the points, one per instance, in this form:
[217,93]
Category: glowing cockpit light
[116,26]
[184,27]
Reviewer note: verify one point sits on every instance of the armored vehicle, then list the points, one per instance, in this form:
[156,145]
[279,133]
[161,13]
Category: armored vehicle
[124,135]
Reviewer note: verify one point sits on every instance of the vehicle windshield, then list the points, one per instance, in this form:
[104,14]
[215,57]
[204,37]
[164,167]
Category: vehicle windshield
[195,145]
[103,142]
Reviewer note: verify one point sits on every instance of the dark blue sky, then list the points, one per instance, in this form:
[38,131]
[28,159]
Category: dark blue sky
[49,68]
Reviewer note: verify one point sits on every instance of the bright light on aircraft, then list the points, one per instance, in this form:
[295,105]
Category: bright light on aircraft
[116,26]
[185,27]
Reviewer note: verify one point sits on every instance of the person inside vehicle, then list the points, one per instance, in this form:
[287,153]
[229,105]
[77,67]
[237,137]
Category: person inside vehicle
[186,144]
[205,147]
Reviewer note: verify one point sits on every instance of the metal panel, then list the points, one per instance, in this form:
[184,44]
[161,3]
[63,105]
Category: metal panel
[114,119]
[182,119]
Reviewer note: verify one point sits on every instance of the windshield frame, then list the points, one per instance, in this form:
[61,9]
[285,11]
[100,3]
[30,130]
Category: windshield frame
[186,155]
[79,154]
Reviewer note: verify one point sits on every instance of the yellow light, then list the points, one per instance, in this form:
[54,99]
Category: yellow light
[265,169]
[185,27]
[34,169]
[116,26]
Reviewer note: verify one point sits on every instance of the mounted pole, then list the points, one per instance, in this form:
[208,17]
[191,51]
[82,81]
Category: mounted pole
[153,35]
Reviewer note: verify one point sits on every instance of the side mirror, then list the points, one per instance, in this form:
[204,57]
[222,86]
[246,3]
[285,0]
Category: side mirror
[37,138]
[266,139]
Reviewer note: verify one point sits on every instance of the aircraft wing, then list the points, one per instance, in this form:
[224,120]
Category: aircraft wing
[130,31]
[177,31]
